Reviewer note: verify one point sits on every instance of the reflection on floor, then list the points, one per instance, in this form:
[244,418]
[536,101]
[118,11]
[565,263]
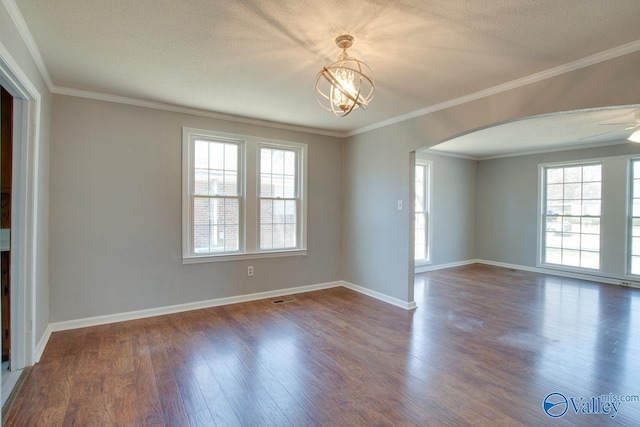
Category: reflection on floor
[486,346]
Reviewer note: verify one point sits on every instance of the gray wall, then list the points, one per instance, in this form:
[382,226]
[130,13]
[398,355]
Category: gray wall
[116,213]
[508,205]
[12,41]
[377,163]
[453,208]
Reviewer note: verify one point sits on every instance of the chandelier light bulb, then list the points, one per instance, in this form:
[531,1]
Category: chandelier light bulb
[346,84]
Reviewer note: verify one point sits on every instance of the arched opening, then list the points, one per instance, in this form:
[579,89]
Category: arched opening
[482,196]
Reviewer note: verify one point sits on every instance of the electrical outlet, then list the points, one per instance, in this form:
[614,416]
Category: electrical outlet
[250,271]
[627,284]
[400,205]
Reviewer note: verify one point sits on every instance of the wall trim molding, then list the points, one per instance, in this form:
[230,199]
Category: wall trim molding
[179,308]
[42,343]
[380,296]
[27,37]
[561,273]
[136,102]
[587,61]
[633,283]
[425,268]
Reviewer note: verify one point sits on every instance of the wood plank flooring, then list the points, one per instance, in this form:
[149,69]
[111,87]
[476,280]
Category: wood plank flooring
[485,347]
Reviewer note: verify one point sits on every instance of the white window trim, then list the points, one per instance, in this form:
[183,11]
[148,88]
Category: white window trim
[629,222]
[249,183]
[428,196]
[540,241]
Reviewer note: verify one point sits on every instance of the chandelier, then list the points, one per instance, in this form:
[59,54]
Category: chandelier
[346,84]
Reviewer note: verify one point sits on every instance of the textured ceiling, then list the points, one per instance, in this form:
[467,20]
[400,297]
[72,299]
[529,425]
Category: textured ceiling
[259,59]
[546,133]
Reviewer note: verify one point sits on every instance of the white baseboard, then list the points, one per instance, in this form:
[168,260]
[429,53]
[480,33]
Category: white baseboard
[431,267]
[380,296]
[550,271]
[562,273]
[141,314]
[42,344]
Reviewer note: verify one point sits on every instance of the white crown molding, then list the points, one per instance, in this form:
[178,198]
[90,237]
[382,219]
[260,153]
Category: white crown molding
[23,29]
[79,93]
[597,58]
[557,149]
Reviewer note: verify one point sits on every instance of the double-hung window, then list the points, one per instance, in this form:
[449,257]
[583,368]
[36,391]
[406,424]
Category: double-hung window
[634,213]
[571,213]
[279,197]
[243,197]
[422,250]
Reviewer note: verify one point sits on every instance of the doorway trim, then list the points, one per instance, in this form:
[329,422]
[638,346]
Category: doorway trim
[24,216]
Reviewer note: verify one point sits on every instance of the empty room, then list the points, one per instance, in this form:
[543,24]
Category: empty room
[409,213]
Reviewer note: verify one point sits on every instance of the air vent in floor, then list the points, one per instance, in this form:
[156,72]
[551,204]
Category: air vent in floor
[283,300]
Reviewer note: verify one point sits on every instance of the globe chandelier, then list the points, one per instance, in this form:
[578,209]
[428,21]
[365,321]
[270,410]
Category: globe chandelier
[346,84]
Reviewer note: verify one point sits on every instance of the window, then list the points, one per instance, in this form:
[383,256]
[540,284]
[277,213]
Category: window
[571,215]
[634,227]
[243,197]
[422,212]
[279,198]
[216,197]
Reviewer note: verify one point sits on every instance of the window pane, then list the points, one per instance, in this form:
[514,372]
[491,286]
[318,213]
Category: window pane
[635,227]
[570,241]
[591,225]
[636,208]
[216,155]
[277,165]
[231,157]
[591,208]
[592,173]
[555,208]
[590,260]
[553,256]
[290,211]
[201,152]
[572,191]
[553,240]
[289,163]
[635,265]
[201,181]
[635,246]
[590,242]
[573,174]
[555,191]
[636,188]
[265,160]
[555,175]
[201,211]
[591,190]
[289,186]
[571,258]
[266,189]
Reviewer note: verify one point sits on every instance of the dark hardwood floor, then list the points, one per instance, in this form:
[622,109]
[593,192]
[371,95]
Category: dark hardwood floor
[485,347]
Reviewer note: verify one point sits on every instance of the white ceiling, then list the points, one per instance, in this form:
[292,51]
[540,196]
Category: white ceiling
[258,59]
[546,133]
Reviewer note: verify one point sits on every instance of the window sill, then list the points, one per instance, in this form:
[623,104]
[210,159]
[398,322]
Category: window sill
[198,259]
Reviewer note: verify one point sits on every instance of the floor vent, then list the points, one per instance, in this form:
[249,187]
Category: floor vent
[282,301]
